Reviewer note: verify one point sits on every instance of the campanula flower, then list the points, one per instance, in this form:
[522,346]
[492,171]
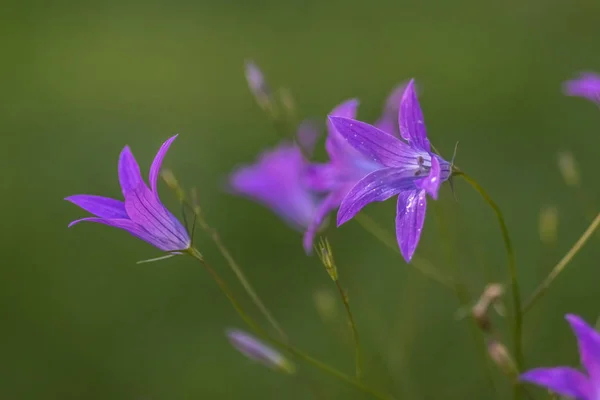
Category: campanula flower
[257,351]
[346,165]
[587,85]
[278,181]
[142,214]
[568,381]
[409,170]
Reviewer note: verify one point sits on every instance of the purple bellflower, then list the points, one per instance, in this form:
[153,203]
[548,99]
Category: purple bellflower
[568,381]
[278,181]
[587,85]
[142,214]
[409,170]
[346,165]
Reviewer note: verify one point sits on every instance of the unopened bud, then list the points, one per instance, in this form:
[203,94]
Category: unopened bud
[490,297]
[171,181]
[548,225]
[258,85]
[501,357]
[568,168]
[326,304]
[326,255]
[287,102]
[257,351]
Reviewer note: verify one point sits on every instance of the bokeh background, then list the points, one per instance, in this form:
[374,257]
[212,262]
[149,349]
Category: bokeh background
[80,320]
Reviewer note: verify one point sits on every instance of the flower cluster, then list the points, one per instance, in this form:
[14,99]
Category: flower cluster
[367,163]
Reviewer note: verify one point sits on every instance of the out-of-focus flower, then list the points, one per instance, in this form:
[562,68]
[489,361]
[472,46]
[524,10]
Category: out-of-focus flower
[142,214]
[409,170]
[346,165]
[278,181]
[568,381]
[587,85]
[257,351]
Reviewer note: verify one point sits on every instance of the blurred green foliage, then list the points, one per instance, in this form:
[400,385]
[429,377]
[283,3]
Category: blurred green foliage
[80,320]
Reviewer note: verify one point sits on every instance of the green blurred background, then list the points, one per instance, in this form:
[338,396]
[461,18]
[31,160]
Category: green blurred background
[80,320]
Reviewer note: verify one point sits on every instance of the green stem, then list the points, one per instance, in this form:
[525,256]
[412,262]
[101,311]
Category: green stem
[512,267]
[285,346]
[422,265]
[543,287]
[357,352]
[240,275]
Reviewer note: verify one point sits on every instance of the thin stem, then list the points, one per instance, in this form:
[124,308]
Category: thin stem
[543,287]
[240,275]
[357,352]
[512,267]
[285,346]
[421,264]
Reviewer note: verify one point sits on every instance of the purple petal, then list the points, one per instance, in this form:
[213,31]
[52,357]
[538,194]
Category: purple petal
[410,216]
[562,380]
[129,171]
[388,122]
[131,227]
[376,145]
[146,210]
[431,184]
[379,185]
[102,207]
[330,203]
[336,145]
[410,119]
[589,346]
[157,163]
[278,180]
[587,85]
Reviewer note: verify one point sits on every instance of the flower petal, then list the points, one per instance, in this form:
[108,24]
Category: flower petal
[410,119]
[336,146]
[587,85]
[410,216]
[379,185]
[129,171]
[278,180]
[431,184]
[562,380]
[103,207]
[146,210]
[157,163]
[388,122]
[376,145]
[330,203]
[589,345]
[131,227]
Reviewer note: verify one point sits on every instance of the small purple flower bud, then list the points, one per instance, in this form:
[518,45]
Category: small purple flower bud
[258,85]
[257,351]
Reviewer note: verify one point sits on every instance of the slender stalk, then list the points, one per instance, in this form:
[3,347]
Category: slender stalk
[512,267]
[558,268]
[237,270]
[357,352]
[422,265]
[263,334]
